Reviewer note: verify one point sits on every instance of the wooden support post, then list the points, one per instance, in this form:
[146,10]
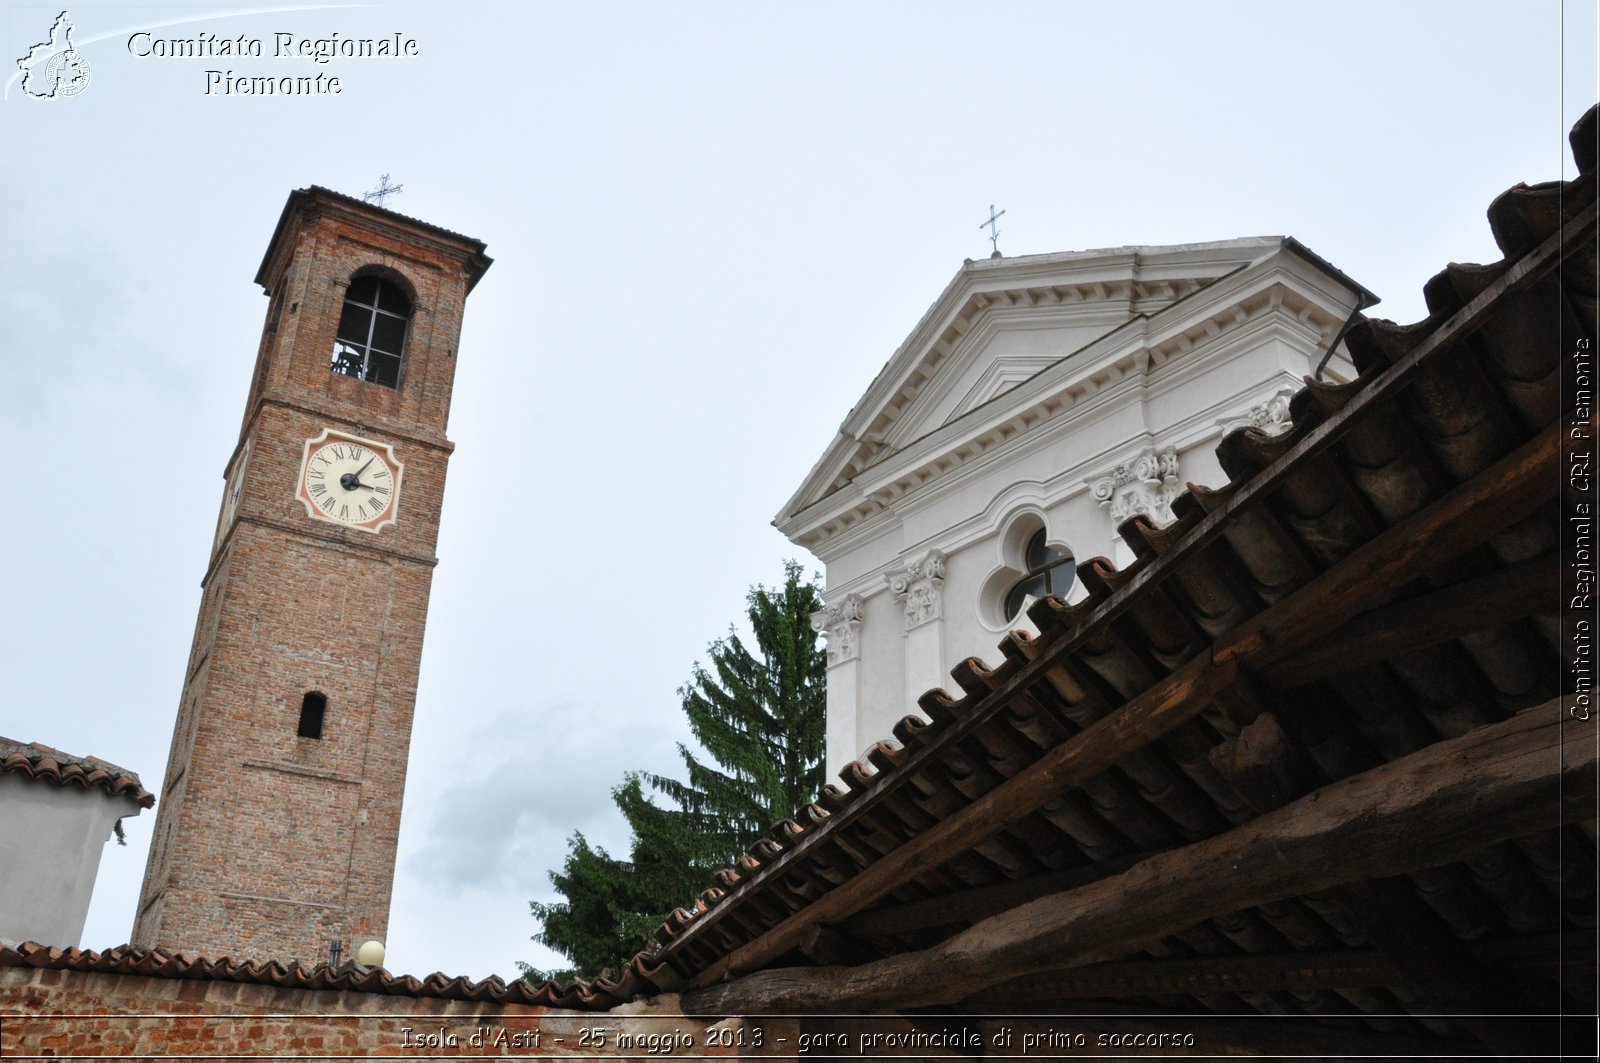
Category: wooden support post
[1261,765]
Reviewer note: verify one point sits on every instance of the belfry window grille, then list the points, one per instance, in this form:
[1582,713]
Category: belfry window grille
[1049,572]
[371,341]
[313,710]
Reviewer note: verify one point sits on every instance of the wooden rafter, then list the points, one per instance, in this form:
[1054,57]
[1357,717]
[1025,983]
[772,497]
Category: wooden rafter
[1438,805]
[1471,605]
[970,905]
[1501,494]
[1294,971]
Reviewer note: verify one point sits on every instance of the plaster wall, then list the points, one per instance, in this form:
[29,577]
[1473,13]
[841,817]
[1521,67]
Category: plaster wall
[51,838]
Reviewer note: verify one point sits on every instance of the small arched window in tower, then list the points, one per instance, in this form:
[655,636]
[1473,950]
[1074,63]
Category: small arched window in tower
[372,332]
[313,707]
[1049,572]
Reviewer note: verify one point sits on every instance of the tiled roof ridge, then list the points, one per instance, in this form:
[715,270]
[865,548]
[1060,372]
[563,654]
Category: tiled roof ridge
[365,204]
[34,760]
[1245,453]
[349,977]
[478,261]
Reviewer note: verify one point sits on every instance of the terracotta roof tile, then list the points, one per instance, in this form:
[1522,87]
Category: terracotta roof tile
[45,764]
[349,977]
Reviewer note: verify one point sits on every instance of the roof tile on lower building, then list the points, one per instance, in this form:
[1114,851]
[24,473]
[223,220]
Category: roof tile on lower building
[33,760]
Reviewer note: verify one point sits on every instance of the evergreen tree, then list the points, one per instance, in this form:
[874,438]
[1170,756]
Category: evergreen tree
[600,918]
[759,719]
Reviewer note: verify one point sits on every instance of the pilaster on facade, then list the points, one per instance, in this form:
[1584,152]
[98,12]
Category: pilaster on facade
[840,624]
[917,588]
[1143,485]
[1270,416]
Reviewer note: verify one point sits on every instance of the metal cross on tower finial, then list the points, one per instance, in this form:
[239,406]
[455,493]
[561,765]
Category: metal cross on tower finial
[994,232]
[385,190]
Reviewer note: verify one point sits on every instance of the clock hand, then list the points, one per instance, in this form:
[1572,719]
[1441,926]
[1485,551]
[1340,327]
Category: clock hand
[352,480]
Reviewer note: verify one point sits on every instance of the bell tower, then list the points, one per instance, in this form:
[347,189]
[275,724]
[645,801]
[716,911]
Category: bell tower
[280,810]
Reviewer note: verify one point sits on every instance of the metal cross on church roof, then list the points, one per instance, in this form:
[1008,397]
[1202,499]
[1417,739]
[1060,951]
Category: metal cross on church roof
[994,232]
[385,190]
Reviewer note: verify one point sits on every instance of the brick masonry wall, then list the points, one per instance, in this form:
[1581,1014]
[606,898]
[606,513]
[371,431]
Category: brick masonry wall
[48,1013]
[268,845]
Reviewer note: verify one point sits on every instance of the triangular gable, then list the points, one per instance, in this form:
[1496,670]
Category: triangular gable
[1001,375]
[998,323]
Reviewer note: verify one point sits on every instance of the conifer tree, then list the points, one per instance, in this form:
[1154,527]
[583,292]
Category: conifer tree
[758,716]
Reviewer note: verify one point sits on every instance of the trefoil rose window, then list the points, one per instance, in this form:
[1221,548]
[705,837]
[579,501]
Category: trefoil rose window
[1049,572]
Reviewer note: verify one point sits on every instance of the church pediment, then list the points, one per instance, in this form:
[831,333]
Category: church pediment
[1012,344]
[1001,322]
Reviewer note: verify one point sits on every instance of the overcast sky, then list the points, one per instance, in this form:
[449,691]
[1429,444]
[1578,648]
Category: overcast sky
[712,224]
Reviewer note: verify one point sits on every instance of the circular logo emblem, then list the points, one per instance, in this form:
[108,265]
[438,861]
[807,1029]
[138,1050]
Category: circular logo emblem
[66,74]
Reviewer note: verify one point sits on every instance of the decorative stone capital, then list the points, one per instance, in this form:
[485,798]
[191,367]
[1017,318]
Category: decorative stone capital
[1271,416]
[1147,483]
[917,589]
[840,624]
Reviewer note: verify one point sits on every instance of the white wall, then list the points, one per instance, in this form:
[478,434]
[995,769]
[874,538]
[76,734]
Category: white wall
[1177,379]
[51,838]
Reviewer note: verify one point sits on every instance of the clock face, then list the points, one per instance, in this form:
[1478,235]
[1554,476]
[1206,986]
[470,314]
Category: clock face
[233,491]
[236,485]
[350,480]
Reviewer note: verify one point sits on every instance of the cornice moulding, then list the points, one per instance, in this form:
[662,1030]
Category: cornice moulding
[1276,289]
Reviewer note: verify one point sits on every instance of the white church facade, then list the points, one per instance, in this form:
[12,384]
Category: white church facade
[1040,402]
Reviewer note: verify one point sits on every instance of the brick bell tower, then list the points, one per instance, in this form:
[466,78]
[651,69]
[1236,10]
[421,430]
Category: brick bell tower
[276,829]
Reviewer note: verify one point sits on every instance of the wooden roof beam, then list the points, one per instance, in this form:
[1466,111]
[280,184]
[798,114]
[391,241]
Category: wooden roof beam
[1502,493]
[1459,609]
[1438,805]
[970,905]
[1546,957]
